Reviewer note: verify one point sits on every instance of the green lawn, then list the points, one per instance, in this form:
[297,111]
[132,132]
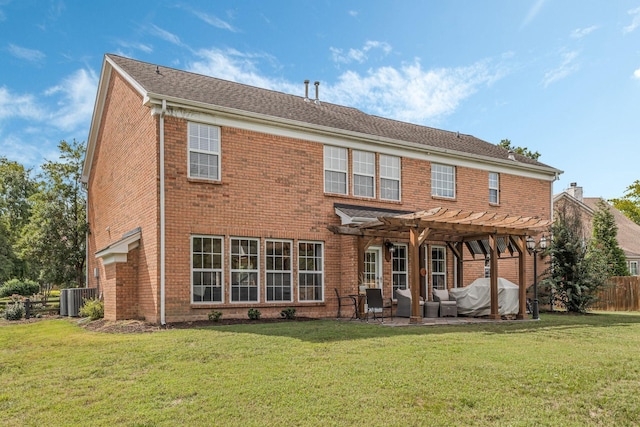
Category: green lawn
[562,370]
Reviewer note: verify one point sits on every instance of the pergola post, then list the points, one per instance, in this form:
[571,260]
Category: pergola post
[493,263]
[522,278]
[414,268]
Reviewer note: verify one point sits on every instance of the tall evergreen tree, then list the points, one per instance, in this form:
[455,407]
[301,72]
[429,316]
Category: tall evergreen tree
[605,240]
[576,273]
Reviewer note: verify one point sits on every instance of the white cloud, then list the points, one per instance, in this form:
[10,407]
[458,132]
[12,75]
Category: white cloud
[635,21]
[214,21]
[76,99]
[579,33]
[410,93]
[31,55]
[353,13]
[137,46]
[532,13]
[636,74]
[16,106]
[165,35]
[359,55]
[566,68]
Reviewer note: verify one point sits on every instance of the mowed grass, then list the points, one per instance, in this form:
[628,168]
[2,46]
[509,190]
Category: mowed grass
[563,370]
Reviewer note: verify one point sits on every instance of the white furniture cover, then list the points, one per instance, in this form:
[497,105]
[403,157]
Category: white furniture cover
[475,299]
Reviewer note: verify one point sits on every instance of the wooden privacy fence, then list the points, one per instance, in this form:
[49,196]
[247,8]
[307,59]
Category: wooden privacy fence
[621,294]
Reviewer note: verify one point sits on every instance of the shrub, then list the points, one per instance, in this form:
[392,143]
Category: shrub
[288,313]
[14,311]
[254,314]
[215,316]
[25,288]
[92,308]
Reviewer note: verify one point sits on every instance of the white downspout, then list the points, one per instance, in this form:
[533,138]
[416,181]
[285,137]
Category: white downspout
[162,214]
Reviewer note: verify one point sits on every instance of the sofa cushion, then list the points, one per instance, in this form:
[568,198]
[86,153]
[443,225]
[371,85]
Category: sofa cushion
[440,295]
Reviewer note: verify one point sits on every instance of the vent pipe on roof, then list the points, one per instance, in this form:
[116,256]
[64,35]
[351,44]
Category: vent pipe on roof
[317,84]
[306,90]
[512,155]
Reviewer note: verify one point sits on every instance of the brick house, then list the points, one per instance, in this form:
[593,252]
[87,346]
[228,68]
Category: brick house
[628,231]
[205,194]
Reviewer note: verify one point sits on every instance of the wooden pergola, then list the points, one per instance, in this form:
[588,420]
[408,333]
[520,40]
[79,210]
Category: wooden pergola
[455,227]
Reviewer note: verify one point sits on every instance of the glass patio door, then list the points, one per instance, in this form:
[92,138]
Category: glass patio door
[372,268]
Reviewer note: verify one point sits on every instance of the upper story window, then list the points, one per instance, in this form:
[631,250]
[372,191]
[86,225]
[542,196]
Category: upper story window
[389,177]
[204,151]
[494,187]
[335,170]
[364,174]
[443,179]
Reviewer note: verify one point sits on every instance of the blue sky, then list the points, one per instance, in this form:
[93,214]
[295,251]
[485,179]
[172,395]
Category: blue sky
[561,77]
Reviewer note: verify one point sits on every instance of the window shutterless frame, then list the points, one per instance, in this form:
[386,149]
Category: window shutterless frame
[336,170]
[203,157]
[390,177]
[279,270]
[207,273]
[310,271]
[443,180]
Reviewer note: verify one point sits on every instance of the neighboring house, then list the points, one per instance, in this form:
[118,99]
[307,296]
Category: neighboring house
[205,194]
[628,231]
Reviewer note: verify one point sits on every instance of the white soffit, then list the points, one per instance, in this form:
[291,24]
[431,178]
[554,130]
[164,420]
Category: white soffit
[117,251]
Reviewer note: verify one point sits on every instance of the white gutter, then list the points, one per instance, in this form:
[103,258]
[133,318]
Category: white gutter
[162,214]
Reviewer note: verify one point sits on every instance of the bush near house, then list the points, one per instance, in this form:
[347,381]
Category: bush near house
[25,288]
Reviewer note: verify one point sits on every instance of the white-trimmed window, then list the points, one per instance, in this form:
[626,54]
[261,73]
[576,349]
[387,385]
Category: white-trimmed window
[204,151]
[310,271]
[443,181]
[633,268]
[364,173]
[279,271]
[335,170]
[399,277]
[438,267]
[206,269]
[244,270]
[494,188]
[389,177]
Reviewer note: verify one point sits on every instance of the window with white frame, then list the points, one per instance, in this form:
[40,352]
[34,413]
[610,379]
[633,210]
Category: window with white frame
[206,269]
[244,270]
[399,278]
[494,188]
[364,173]
[204,151]
[389,177]
[438,267]
[310,271]
[633,268]
[335,169]
[278,269]
[443,179]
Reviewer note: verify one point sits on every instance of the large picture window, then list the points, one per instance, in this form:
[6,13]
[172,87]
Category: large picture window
[443,179]
[399,277]
[310,271]
[206,269]
[244,270]
[278,268]
[438,267]
[335,170]
[389,177]
[204,151]
[364,174]
[494,188]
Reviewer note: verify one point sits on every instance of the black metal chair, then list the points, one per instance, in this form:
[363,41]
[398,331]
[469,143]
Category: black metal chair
[376,303]
[346,301]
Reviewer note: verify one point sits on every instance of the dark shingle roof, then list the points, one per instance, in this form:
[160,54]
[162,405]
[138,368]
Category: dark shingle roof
[193,87]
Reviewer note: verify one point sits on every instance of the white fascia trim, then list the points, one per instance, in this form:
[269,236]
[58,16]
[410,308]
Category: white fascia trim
[118,251]
[220,116]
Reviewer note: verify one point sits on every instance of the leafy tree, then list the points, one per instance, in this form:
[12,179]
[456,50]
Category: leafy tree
[16,186]
[629,204]
[505,143]
[55,237]
[605,232]
[576,273]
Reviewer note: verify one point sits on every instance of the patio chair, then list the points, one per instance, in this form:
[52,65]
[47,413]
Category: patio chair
[448,304]
[346,301]
[403,296]
[375,302]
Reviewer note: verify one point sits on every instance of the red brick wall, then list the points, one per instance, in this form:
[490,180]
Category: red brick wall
[123,195]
